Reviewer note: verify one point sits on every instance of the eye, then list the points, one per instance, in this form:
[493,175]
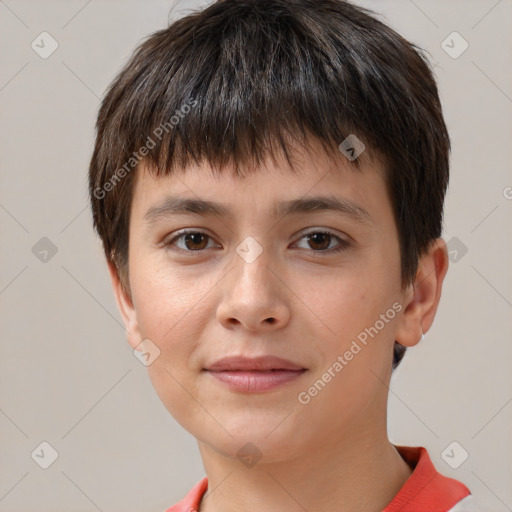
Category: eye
[320,241]
[192,241]
[196,241]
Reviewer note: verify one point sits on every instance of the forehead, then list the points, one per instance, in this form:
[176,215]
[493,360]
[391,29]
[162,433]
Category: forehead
[263,188]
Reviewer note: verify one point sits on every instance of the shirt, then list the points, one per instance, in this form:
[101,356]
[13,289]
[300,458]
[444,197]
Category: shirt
[425,490]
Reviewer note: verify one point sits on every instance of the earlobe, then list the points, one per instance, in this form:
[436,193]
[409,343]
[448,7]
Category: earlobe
[421,298]
[126,307]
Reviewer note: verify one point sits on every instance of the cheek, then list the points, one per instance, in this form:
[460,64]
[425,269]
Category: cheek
[347,311]
[351,329]
[170,312]
[343,303]
[163,295]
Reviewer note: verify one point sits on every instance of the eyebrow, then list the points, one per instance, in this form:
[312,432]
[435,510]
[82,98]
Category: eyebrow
[173,205]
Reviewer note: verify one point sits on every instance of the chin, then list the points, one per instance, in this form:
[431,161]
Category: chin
[253,441]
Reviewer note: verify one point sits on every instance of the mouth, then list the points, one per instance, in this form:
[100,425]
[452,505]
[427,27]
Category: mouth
[254,375]
[251,364]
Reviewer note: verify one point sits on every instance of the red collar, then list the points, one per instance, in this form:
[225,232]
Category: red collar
[425,489]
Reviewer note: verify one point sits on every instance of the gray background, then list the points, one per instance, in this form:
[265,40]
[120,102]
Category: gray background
[67,373]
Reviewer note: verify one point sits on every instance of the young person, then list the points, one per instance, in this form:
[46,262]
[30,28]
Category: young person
[268,183]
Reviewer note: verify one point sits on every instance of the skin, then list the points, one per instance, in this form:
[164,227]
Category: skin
[332,454]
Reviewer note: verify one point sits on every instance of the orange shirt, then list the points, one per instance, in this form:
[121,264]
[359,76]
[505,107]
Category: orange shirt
[425,490]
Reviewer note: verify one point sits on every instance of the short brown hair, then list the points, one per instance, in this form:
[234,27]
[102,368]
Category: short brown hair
[225,83]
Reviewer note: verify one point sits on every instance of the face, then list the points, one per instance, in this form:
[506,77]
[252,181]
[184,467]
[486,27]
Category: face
[319,287]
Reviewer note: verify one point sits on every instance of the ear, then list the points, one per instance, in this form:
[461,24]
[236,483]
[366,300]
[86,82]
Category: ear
[126,308]
[421,298]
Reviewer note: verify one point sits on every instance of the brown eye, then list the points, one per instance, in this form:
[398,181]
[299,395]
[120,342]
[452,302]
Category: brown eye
[320,241]
[195,241]
[190,241]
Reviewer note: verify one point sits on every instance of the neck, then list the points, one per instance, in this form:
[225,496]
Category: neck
[362,471]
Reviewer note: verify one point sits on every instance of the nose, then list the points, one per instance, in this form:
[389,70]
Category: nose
[255,296]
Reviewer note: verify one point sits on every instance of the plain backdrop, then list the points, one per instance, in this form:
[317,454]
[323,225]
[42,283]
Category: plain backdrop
[67,375]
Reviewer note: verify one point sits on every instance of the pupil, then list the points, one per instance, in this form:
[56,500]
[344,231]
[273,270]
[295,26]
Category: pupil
[195,238]
[319,237]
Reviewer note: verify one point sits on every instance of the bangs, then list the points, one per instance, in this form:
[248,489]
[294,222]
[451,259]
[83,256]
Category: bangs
[225,90]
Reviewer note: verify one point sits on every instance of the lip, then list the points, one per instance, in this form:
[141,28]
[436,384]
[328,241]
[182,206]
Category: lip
[254,375]
[262,363]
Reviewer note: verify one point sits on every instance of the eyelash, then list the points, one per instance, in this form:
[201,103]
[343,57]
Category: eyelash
[343,244]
